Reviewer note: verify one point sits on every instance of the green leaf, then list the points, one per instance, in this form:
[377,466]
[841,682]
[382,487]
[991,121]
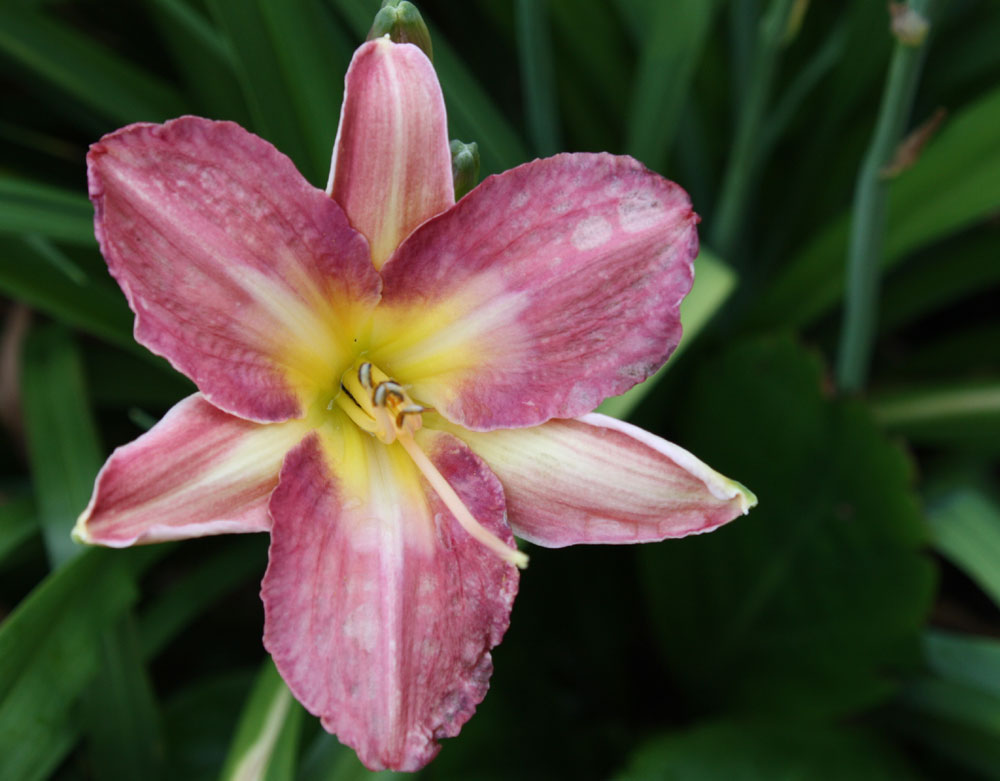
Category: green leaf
[713,283]
[594,62]
[747,151]
[541,106]
[197,49]
[120,713]
[79,67]
[266,741]
[199,721]
[291,60]
[926,285]
[789,106]
[965,659]
[327,759]
[17,523]
[956,710]
[472,116]
[62,440]
[807,604]
[750,751]
[962,413]
[966,526]
[49,652]
[30,207]
[672,44]
[125,379]
[28,275]
[962,161]
[844,119]
[954,720]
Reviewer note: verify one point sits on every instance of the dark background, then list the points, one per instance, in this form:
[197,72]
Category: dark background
[846,628]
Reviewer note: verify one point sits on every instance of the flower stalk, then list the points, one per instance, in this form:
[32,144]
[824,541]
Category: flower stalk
[868,222]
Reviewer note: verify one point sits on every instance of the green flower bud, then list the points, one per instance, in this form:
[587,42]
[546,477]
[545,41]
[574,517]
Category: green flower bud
[464,166]
[402,22]
[908,25]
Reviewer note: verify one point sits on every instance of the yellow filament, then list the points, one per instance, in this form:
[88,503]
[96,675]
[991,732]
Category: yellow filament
[452,501]
[355,413]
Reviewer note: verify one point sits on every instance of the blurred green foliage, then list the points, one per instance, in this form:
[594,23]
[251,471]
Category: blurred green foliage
[847,628]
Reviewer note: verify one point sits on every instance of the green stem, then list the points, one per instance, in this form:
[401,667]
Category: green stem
[744,156]
[868,223]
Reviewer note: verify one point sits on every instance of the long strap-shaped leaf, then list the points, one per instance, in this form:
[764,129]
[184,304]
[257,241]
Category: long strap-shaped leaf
[963,161]
[105,83]
[119,714]
[290,57]
[266,741]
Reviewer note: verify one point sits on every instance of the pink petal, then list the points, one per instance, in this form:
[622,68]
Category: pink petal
[380,610]
[199,471]
[598,480]
[543,291]
[241,274]
[391,163]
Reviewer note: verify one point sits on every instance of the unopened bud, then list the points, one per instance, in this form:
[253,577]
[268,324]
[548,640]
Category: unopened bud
[464,166]
[909,26]
[402,22]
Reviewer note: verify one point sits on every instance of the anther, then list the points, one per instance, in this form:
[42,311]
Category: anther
[383,389]
[365,375]
[409,409]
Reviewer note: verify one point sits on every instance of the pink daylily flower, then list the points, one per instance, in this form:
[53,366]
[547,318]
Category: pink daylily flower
[393,385]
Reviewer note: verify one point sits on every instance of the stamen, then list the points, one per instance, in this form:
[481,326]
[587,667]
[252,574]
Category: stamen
[452,501]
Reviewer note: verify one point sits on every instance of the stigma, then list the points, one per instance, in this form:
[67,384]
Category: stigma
[382,407]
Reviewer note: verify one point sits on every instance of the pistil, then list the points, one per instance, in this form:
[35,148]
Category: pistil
[454,503]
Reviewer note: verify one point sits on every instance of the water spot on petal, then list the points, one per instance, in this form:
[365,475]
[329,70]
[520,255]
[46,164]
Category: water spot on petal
[591,232]
[362,627]
[562,206]
[614,187]
[639,211]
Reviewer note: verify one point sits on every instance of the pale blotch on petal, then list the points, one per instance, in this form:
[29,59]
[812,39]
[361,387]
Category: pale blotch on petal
[591,232]
[638,212]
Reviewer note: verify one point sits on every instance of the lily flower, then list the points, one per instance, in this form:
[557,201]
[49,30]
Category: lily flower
[393,385]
